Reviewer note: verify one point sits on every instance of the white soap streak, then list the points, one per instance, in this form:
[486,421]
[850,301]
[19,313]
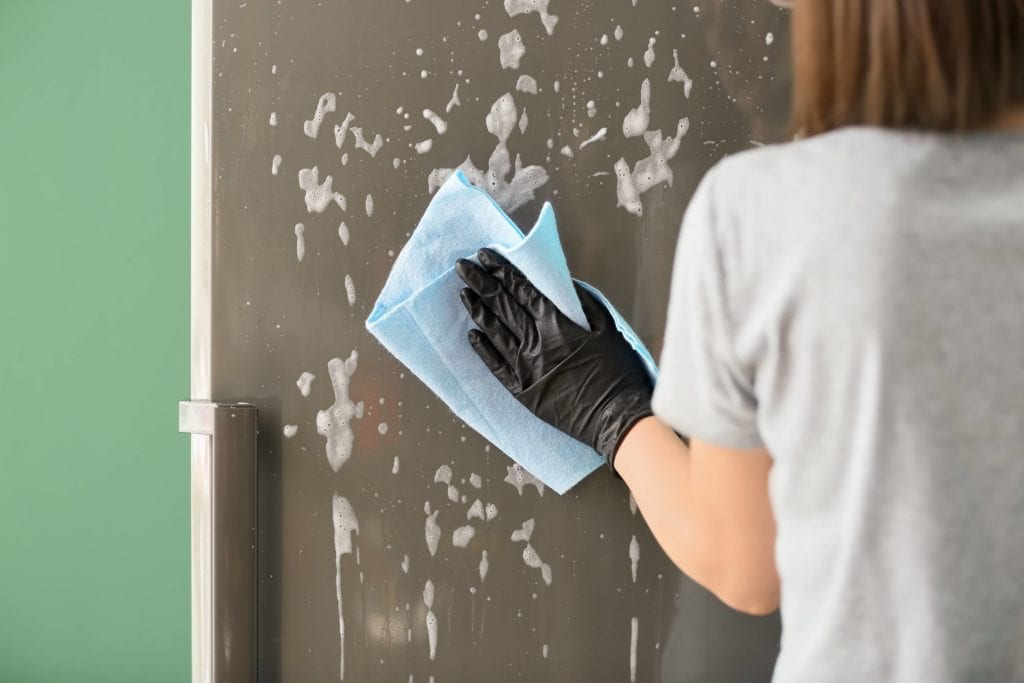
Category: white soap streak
[304,382]
[518,477]
[523,122]
[634,628]
[484,564]
[567,151]
[527,84]
[428,600]
[649,53]
[361,143]
[634,555]
[555,85]
[439,124]
[637,120]
[649,171]
[443,475]
[454,101]
[677,75]
[769,38]
[345,523]
[382,428]
[369,206]
[327,103]
[432,531]
[273,68]
[394,466]
[475,481]
[462,536]
[424,146]
[515,7]
[618,33]
[334,423]
[275,164]
[341,130]
[300,242]
[318,196]
[405,563]
[290,431]
[491,510]
[591,109]
[599,135]
[475,510]
[350,290]
[509,194]
[482,34]
[604,39]
[273,118]
[343,233]
[453,494]
[530,556]
[544,651]
[510,49]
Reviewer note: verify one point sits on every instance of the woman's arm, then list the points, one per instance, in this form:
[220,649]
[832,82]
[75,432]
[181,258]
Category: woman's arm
[708,508]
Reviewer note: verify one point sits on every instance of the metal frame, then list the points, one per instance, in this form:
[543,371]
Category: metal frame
[223,442]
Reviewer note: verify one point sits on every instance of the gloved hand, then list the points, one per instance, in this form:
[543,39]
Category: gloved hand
[590,385]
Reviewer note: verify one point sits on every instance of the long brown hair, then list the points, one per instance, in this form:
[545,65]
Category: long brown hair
[948,65]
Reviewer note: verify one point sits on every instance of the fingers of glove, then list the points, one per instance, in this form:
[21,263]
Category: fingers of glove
[493,360]
[513,279]
[501,338]
[597,314]
[498,299]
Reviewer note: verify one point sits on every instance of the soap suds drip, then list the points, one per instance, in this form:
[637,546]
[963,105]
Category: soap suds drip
[475,510]
[634,556]
[491,511]
[544,651]
[345,523]
[443,475]
[318,196]
[432,532]
[439,124]
[304,382]
[677,75]
[405,563]
[518,477]
[454,101]
[300,242]
[618,33]
[649,171]
[510,49]
[343,233]
[361,143]
[527,84]
[350,290]
[428,600]
[599,135]
[475,480]
[509,194]
[769,38]
[649,53]
[273,118]
[394,466]
[530,556]
[424,146]
[567,151]
[275,164]
[341,130]
[637,120]
[484,564]
[334,423]
[290,431]
[591,109]
[523,122]
[516,7]
[327,103]
[462,536]
[634,628]
[369,206]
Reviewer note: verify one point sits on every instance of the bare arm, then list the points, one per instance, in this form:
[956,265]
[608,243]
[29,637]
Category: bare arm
[708,508]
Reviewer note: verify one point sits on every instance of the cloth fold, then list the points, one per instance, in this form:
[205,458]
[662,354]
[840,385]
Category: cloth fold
[419,318]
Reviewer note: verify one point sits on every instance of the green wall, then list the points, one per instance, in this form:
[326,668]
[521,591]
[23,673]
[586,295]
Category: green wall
[93,340]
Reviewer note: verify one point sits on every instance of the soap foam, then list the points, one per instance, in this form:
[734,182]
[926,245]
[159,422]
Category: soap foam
[677,75]
[475,510]
[634,556]
[361,143]
[428,600]
[350,290]
[343,233]
[290,431]
[424,146]
[484,564]
[273,118]
[394,466]
[327,103]
[334,423]
[341,130]
[454,101]
[637,120]
[304,382]
[300,242]
[275,164]
[432,532]
[634,627]
[345,523]
[649,53]
[439,124]
[515,7]
[462,536]
[318,196]
[511,49]
[369,206]
[518,477]
[599,135]
[527,84]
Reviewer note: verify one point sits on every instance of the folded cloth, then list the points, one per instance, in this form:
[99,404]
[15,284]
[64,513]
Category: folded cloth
[419,318]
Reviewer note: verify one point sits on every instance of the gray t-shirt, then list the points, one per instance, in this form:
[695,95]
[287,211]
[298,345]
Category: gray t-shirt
[854,303]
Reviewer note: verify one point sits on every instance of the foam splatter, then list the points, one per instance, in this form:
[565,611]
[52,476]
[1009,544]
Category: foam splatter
[334,423]
[327,103]
[511,49]
[515,7]
[345,523]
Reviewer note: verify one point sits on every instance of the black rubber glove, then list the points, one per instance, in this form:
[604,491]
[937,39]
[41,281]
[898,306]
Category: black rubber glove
[590,385]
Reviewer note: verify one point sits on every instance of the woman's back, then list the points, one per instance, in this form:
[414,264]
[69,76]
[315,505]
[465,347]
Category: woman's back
[875,289]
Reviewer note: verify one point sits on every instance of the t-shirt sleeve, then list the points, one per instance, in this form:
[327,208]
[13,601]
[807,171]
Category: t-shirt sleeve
[703,390]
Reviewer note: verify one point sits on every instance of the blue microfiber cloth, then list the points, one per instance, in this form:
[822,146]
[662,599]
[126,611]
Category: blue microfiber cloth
[419,318]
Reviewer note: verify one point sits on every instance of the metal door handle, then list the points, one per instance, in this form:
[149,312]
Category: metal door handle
[223,511]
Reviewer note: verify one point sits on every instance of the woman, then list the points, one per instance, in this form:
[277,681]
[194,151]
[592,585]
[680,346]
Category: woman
[844,351]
